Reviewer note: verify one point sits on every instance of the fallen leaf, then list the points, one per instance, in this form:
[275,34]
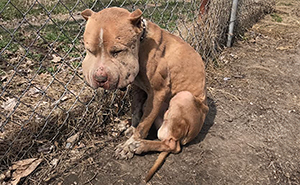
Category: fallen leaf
[8,75]
[34,92]
[71,140]
[226,79]
[284,47]
[9,104]
[80,146]
[23,168]
[46,148]
[66,97]
[54,162]
[56,58]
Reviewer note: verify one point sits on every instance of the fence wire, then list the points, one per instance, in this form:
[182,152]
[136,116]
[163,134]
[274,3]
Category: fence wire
[44,99]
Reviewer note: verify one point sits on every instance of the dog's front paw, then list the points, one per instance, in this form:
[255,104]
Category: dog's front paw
[122,152]
[125,150]
[136,147]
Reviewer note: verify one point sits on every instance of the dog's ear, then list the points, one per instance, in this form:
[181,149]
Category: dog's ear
[136,17]
[86,14]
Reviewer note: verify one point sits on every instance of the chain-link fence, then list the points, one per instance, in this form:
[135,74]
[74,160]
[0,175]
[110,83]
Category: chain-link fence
[44,99]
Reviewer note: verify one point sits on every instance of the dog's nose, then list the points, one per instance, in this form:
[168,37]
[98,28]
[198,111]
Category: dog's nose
[100,76]
[101,79]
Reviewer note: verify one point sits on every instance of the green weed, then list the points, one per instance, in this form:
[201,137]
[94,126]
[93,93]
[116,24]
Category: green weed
[76,64]
[276,17]
[2,72]
[52,69]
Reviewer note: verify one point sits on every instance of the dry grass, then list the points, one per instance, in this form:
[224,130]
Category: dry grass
[209,35]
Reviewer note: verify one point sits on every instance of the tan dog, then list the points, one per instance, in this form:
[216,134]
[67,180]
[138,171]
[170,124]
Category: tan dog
[167,76]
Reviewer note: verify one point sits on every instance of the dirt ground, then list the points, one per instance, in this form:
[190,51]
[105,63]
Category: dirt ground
[252,132]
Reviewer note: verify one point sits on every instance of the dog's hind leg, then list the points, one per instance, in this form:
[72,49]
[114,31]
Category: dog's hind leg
[182,123]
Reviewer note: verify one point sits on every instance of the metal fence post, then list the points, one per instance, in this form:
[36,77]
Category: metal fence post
[231,23]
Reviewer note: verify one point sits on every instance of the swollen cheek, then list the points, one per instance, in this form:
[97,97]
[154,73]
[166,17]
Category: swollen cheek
[87,62]
[86,67]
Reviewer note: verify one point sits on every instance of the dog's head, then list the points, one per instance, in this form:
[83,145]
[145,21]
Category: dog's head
[112,39]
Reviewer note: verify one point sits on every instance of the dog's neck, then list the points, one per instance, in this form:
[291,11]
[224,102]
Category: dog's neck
[150,39]
[151,46]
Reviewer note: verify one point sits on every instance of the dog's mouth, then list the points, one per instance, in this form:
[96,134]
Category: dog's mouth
[104,85]
[123,88]
[124,82]
[96,84]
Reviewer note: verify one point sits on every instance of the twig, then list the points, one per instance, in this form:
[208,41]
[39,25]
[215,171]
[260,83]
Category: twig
[210,89]
[74,59]
[90,180]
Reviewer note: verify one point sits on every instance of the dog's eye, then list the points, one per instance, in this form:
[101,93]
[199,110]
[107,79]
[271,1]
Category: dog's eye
[115,53]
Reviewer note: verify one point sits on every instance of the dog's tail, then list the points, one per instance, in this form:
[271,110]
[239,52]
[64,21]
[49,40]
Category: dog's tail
[156,165]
